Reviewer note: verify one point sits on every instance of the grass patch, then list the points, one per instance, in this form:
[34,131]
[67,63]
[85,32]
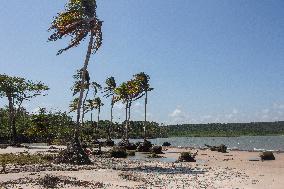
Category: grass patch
[25,159]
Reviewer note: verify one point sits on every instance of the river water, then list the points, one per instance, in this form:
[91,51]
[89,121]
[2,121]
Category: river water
[241,143]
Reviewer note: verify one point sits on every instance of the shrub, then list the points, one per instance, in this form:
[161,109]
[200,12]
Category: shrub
[186,157]
[131,152]
[156,150]
[145,146]
[154,155]
[267,156]
[118,152]
[166,144]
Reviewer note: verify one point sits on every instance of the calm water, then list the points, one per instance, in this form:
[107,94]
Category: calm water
[242,143]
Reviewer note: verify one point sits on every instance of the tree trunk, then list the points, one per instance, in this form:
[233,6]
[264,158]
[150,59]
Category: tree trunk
[111,117]
[126,122]
[145,121]
[99,111]
[77,129]
[83,113]
[12,123]
[92,124]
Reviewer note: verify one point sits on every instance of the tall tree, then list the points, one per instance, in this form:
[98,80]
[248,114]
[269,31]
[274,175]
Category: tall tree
[17,90]
[128,92]
[121,93]
[143,81]
[78,20]
[88,85]
[92,104]
[109,92]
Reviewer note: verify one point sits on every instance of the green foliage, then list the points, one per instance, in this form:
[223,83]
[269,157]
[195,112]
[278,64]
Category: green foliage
[25,159]
[186,157]
[17,90]
[142,80]
[110,86]
[225,129]
[20,89]
[42,127]
[77,21]
[118,152]
[154,155]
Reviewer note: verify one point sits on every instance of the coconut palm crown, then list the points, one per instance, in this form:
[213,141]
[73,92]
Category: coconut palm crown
[77,21]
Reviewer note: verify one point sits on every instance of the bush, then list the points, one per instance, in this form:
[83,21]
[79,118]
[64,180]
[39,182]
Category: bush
[118,152]
[127,145]
[156,150]
[154,155]
[145,146]
[186,157]
[131,152]
[166,144]
[109,142]
[267,156]
[74,154]
[222,148]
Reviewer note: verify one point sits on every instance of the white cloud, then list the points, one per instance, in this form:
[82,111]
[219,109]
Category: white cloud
[178,116]
[176,113]
[36,110]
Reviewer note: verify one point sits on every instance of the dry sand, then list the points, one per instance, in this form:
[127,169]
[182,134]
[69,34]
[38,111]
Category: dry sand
[212,170]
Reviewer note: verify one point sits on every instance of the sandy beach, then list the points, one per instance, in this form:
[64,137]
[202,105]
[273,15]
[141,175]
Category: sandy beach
[212,170]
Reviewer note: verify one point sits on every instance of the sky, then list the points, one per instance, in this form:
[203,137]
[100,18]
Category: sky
[209,61]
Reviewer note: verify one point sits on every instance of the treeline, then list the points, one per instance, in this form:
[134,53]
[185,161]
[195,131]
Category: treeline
[225,129]
[57,128]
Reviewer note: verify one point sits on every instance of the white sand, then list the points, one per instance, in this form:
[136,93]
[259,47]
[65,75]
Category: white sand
[212,170]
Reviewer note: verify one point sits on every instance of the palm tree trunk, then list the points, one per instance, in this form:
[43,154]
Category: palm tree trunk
[126,122]
[83,113]
[111,117]
[12,124]
[88,55]
[99,111]
[92,124]
[145,121]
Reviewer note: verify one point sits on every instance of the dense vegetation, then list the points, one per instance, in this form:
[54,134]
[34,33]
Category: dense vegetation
[57,127]
[226,129]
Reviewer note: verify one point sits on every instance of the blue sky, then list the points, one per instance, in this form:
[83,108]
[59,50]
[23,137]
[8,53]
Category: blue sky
[209,61]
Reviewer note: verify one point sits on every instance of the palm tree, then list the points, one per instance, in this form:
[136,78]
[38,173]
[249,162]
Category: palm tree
[78,20]
[95,104]
[122,95]
[109,90]
[143,81]
[128,92]
[76,89]
[96,87]
[87,86]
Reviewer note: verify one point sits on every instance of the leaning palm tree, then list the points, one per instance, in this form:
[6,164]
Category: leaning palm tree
[143,81]
[79,20]
[109,92]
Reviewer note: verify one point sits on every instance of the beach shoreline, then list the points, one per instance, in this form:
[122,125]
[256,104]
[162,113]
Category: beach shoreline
[212,170]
